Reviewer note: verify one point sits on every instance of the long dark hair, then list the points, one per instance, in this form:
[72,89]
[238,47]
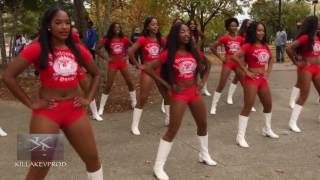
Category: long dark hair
[146,31]
[243,27]
[173,46]
[308,27]
[110,34]
[45,39]
[252,31]
[194,32]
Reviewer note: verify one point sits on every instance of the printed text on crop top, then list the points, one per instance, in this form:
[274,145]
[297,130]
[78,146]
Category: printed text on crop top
[150,48]
[256,57]
[184,66]
[231,45]
[117,48]
[304,43]
[62,67]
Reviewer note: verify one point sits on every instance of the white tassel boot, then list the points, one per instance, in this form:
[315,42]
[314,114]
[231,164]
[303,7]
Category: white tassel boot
[293,97]
[162,107]
[294,118]
[243,121]
[205,90]
[98,175]
[2,132]
[267,131]
[103,100]
[135,121]
[94,111]
[133,98]
[204,156]
[214,103]
[162,155]
[167,118]
[232,89]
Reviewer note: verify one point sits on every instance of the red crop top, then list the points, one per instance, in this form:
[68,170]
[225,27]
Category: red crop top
[256,57]
[62,67]
[150,48]
[117,48]
[304,43]
[184,66]
[231,45]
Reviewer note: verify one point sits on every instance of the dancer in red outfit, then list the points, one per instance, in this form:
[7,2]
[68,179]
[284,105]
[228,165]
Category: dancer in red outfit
[58,60]
[198,38]
[116,45]
[233,85]
[307,46]
[232,42]
[181,69]
[257,54]
[84,78]
[151,45]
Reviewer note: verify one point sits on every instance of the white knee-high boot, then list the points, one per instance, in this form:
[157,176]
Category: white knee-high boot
[135,121]
[294,118]
[162,155]
[205,90]
[232,89]
[103,100]
[133,98]
[267,131]
[162,107]
[215,101]
[167,118]
[2,132]
[94,111]
[98,175]
[293,97]
[243,121]
[204,155]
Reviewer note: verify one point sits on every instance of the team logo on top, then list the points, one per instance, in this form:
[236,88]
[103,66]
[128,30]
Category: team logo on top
[153,49]
[316,47]
[263,56]
[65,66]
[233,46]
[186,67]
[117,48]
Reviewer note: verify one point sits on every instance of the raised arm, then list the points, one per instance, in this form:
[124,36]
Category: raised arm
[214,50]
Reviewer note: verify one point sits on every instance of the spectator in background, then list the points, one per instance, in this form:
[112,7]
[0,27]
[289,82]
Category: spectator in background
[136,33]
[20,42]
[91,39]
[281,39]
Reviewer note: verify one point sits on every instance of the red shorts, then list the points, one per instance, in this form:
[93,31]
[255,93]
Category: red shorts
[118,64]
[259,81]
[313,69]
[187,95]
[231,64]
[64,113]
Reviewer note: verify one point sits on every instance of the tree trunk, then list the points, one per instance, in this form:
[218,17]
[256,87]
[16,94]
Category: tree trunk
[2,42]
[100,28]
[16,15]
[82,15]
[106,18]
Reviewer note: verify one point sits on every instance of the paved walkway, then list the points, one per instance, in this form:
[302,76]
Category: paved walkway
[127,157]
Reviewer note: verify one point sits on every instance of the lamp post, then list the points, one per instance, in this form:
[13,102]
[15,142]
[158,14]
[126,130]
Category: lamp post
[279,20]
[314,2]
